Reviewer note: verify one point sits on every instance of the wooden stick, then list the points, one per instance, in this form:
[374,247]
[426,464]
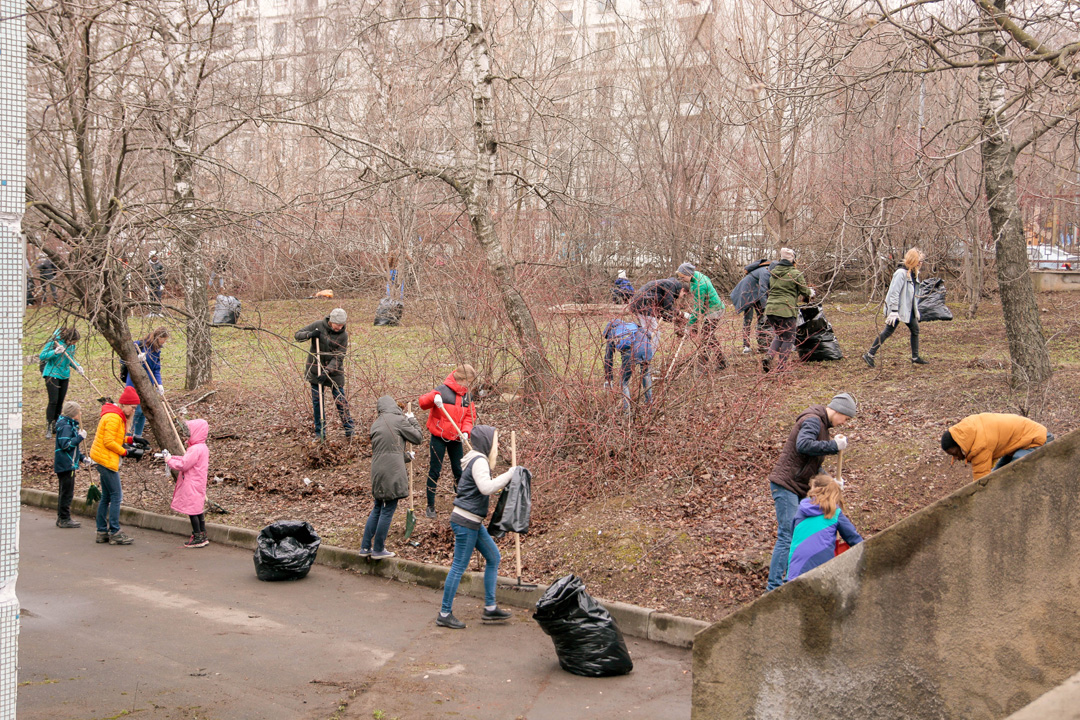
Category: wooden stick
[318,381]
[164,401]
[517,536]
[411,505]
[674,359]
[461,436]
[840,467]
[82,372]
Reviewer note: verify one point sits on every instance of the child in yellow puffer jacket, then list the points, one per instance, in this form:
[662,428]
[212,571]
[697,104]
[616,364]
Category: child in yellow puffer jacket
[111,443]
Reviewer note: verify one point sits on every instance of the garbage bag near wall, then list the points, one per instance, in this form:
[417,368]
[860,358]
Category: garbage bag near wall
[587,640]
[389,312]
[226,310]
[814,337]
[285,550]
[931,299]
[514,508]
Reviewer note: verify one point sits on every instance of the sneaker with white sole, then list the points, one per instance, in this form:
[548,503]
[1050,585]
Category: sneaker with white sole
[382,555]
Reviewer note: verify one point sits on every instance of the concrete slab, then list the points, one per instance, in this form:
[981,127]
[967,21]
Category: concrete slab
[167,633]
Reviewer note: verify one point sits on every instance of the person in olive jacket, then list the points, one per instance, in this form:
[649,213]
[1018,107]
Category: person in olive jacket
[329,340]
[786,287]
[389,478]
[800,460]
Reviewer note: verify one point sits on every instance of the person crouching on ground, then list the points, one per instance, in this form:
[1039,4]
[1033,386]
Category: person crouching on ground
[901,306]
[789,482]
[110,444]
[66,460]
[988,437]
[467,521]
[819,519]
[449,400]
[636,348]
[189,495]
[389,478]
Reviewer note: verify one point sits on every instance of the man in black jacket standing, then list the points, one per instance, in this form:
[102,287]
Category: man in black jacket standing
[326,366]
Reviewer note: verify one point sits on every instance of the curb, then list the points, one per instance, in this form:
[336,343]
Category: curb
[632,620]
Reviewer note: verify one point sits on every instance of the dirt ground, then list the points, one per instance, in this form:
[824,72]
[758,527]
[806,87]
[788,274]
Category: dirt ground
[670,510]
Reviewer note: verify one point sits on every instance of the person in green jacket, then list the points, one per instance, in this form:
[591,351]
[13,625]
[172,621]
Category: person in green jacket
[706,310]
[786,287]
[57,358]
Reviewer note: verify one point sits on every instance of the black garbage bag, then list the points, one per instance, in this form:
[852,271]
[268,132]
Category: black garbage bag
[514,507]
[285,550]
[389,312]
[814,337]
[226,310]
[587,640]
[931,300]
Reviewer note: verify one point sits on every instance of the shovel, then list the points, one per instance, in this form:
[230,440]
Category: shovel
[841,546]
[410,514]
[322,411]
[461,436]
[101,399]
[164,400]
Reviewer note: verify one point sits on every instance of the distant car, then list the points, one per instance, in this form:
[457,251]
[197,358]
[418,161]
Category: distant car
[1047,257]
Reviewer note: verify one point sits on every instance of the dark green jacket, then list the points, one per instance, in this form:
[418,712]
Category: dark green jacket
[786,286]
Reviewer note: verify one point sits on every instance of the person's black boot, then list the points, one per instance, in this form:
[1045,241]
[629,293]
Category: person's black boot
[766,364]
[868,358]
[919,361]
[69,523]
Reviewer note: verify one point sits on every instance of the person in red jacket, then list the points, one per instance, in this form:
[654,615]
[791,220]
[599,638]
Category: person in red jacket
[449,399]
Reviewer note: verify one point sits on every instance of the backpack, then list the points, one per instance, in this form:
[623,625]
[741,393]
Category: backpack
[621,332]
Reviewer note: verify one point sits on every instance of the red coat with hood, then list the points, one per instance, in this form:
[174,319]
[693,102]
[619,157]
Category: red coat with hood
[456,402]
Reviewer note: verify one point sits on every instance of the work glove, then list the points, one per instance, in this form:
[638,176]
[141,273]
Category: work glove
[841,443]
[607,384]
[165,455]
[142,357]
[409,416]
[140,441]
[438,400]
[686,316]
[410,456]
[892,319]
[89,463]
[82,433]
[161,389]
[93,494]
[813,292]
[60,348]
[78,368]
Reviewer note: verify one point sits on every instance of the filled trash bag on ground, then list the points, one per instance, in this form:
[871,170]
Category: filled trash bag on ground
[814,337]
[587,640]
[389,312]
[226,310]
[931,299]
[514,508]
[285,550]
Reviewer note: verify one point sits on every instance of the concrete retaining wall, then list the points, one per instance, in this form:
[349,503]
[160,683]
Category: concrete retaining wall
[632,620]
[1056,280]
[968,609]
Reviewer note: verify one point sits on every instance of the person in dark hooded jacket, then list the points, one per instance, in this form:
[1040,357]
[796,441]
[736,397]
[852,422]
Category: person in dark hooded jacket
[66,459]
[656,300]
[749,297]
[389,478]
[332,343]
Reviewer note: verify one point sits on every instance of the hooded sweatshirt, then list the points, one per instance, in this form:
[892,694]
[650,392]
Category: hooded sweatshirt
[986,437]
[189,496]
[389,433]
[813,539]
[476,484]
[456,402]
[109,438]
[786,286]
[753,289]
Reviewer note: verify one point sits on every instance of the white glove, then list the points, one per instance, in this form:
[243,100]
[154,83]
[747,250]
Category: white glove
[607,384]
[892,319]
[409,416]
[412,455]
[161,287]
[60,348]
[165,455]
[90,464]
[82,433]
[161,389]
[841,443]
[686,315]
[142,357]
[813,292]
[438,400]
[78,369]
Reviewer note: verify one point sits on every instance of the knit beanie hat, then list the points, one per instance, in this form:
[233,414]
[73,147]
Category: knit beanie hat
[129,397]
[787,254]
[337,316]
[687,269]
[844,404]
[622,275]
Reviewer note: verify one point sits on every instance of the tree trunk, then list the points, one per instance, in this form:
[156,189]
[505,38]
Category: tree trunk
[1023,327]
[194,279]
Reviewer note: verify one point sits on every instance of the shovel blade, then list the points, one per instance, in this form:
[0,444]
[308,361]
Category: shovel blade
[410,523]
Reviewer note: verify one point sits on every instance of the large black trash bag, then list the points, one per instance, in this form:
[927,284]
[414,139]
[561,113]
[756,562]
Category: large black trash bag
[286,550]
[226,310]
[814,337]
[931,299]
[587,640]
[389,312]
[514,508]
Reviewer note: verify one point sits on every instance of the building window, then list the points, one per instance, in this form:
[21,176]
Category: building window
[281,34]
[249,36]
[603,6]
[281,71]
[605,40]
[567,16]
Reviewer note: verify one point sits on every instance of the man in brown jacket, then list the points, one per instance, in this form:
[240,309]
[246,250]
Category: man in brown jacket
[807,445]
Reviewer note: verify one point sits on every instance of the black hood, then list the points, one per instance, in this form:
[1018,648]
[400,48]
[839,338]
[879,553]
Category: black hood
[482,437]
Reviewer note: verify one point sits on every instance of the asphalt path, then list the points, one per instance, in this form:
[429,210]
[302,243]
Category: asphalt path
[155,630]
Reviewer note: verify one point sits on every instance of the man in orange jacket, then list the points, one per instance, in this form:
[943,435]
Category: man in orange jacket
[111,443]
[987,437]
[449,400]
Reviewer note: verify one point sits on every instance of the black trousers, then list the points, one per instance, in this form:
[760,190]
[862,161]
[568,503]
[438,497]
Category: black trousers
[198,523]
[913,327]
[440,447]
[762,330]
[67,492]
[57,390]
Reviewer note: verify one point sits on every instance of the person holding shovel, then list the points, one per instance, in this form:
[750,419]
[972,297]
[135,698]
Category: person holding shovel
[110,444]
[325,366]
[450,419]
[389,478]
[789,482]
[56,359]
[150,359]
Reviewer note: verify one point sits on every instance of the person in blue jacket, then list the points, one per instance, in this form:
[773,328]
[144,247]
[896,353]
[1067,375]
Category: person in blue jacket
[819,520]
[636,348]
[58,358]
[66,459]
[623,290]
[749,297]
[150,359]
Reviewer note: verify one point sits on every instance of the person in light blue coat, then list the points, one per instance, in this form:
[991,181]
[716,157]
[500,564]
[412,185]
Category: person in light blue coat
[901,306]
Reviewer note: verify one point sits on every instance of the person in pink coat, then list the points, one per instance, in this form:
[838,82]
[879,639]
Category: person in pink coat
[189,497]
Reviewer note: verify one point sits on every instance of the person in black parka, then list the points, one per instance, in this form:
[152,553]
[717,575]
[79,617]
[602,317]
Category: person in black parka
[389,477]
[749,297]
[333,342]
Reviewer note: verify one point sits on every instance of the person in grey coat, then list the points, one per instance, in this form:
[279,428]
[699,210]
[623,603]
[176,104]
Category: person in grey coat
[389,478]
[901,306]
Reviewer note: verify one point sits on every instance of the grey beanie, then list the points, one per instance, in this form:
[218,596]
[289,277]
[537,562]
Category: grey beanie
[687,269]
[844,404]
[337,316]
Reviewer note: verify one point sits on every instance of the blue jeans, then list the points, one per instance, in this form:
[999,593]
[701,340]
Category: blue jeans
[787,504]
[109,505]
[378,525]
[138,421]
[465,541]
[1021,453]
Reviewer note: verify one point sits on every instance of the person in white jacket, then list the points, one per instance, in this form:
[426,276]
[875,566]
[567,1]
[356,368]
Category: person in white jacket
[467,521]
[901,306]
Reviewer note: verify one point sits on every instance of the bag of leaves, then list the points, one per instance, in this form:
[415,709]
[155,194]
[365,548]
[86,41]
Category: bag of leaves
[389,312]
[285,550]
[931,299]
[226,310]
[587,640]
[514,508]
[814,337]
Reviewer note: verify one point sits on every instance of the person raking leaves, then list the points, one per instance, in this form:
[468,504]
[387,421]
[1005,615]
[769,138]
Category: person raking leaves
[110,444]
[450,420]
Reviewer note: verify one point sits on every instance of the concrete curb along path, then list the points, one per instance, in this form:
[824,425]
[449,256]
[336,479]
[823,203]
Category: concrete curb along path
[633,620]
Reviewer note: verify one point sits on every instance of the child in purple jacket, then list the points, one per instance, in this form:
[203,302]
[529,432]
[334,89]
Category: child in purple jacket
[819,518]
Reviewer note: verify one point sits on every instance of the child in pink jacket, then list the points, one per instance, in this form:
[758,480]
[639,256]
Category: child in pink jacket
[189,497]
